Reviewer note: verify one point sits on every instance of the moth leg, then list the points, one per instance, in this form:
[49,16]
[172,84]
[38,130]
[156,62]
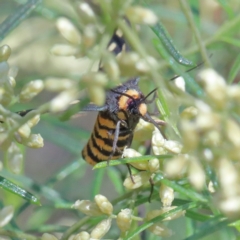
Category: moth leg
[152,188]
[130,172]
[128,165]
[116,135]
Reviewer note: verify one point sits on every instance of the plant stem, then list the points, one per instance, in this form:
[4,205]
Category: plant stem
[186,9]
[17,17]
[18,235]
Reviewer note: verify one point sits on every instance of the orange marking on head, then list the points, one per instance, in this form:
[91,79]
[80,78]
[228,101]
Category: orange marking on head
[123,100]
[142,109]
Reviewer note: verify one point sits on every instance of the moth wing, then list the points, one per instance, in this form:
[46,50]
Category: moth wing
[94,108]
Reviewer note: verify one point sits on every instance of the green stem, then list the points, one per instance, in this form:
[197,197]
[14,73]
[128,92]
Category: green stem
[222,32]
[186,9]
[17,235]
[74,228]
[149,223]
[17,17]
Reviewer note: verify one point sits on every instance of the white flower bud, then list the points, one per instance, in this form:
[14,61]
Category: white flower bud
[95,78]
[153,165]
[176,166]
[5,52]
[59,84]
[62,101]
[233,132]
[82,236]
[13,71]
[86,12]
[166,195]
[139,179]
[228,177]
[34,141]
[138,14]
[6,215]
[190,135]
[34,121]
[173,146]
[233,92]
[101,229]
[144,65]
[127,62]
[212,138]
[89,36]
[30,90]
[24,131]
[208,121]
[47,236]
[202,106]
[157,138]
[211,188]
[159,150]
[230,206]
[189,113]
[129,153]
[97,95]
[12,81]
[180,83]
[143,125]
[158,141]
[196,174]
[214,85]
[159,229]
[15,158]
[104,205]
[111,68]
[124,220]
[87,207]
[68,30]
[63,50]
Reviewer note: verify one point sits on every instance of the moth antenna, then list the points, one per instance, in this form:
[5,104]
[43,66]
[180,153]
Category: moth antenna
[154,90]
[124,94]
[199,65]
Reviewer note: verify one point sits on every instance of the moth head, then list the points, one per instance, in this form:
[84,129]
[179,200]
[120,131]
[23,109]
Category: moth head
[133,101]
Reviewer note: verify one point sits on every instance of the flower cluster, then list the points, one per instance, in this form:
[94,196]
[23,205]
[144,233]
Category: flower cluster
[147,171]
[13,127]
[210,135]
[124,218]
[87,39]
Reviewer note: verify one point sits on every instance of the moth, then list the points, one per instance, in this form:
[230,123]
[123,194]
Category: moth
[117,119]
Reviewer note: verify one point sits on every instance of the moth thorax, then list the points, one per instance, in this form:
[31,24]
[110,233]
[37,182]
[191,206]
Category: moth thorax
[124,101]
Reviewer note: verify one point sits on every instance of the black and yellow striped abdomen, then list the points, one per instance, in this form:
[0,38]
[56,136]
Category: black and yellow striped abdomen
[100,145]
